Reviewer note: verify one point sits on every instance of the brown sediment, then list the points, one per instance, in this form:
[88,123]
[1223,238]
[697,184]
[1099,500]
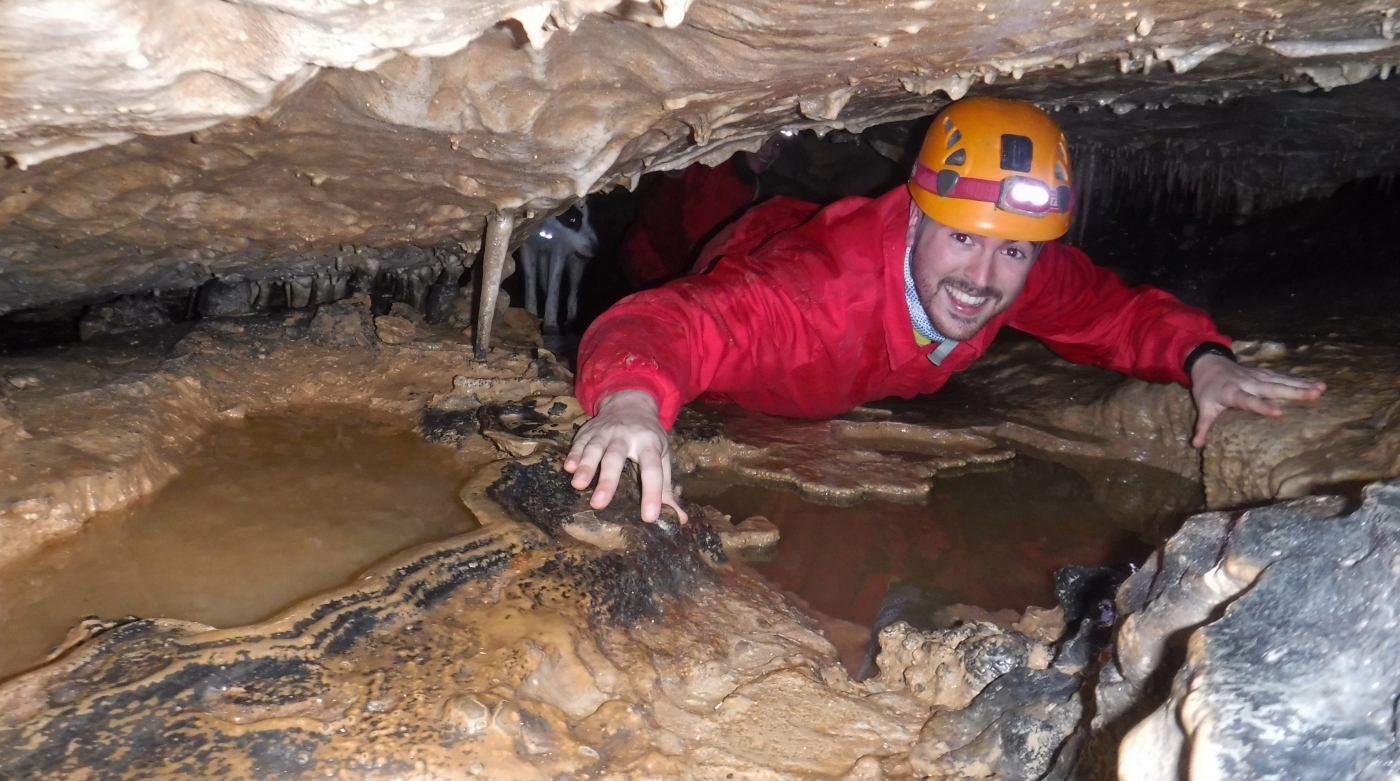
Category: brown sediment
[992,537]
[265,513]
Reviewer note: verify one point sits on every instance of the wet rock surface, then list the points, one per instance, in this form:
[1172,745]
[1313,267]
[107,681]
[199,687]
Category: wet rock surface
[559,639]
[556,639]
[168,158]
[1261,646]
[1349,436]
[1021,396]
[96,426]
[840,462]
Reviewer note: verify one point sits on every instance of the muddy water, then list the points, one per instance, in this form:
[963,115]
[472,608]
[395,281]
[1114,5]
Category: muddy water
[991,537]
[270,511]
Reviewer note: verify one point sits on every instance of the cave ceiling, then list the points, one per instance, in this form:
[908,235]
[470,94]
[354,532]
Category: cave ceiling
[158,144]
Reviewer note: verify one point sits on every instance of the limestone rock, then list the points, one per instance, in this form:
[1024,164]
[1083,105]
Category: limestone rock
[11,431]
[998,708]
[343,324]
[1013,729]
[211,138]
[750,537]
[517,650]
[94,427]
[407,312]
[128,313]
[1350,434]
[394,330]
[1263,646]
[947,668]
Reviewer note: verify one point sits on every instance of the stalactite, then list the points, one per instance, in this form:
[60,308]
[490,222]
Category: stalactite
[1213,181]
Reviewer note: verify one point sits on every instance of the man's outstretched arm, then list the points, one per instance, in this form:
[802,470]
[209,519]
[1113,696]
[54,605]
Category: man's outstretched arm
[1086,314]
[656,350]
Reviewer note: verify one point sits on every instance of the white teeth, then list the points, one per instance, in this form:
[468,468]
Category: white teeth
[964,298]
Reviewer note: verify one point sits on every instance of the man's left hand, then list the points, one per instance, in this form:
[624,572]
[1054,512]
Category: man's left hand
[1218,383]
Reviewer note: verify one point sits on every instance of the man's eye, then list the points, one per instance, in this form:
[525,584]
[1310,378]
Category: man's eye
[961,238]
[1015,253]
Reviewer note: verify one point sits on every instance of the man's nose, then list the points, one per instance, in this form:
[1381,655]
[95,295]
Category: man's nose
[979,270]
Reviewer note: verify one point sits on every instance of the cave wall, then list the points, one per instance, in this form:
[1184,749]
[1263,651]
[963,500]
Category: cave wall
[158,145]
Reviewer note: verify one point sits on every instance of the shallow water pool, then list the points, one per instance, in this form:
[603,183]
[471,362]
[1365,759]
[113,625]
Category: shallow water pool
[270,511]
[992,536]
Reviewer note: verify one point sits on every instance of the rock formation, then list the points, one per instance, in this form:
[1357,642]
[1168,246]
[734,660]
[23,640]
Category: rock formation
[556,639]
[221,140]
[268,206]
[96,426]
[1268,639]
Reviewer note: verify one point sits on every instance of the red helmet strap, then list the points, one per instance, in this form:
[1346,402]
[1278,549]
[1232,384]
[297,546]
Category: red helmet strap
[949,184]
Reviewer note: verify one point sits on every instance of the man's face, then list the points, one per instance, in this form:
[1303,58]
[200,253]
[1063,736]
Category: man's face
[964,279]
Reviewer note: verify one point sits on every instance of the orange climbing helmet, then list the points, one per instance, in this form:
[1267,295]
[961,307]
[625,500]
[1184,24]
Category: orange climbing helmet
[995,167]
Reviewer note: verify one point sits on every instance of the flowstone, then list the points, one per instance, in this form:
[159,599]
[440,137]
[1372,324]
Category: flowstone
[557,639]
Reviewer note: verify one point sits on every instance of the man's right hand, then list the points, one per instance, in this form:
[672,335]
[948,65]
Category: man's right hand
[627,426]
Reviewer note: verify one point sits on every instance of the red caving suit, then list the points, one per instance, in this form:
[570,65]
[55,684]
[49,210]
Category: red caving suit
[679,213]
[804,314]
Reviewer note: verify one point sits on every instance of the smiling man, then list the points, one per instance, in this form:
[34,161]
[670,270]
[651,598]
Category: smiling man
[807,312]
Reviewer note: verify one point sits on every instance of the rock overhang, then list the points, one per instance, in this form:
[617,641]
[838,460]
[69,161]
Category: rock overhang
[149,156]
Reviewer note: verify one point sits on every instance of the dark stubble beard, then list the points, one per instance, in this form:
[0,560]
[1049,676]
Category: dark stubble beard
[961,329]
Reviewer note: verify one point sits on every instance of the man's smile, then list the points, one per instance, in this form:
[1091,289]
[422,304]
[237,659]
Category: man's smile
[968,303]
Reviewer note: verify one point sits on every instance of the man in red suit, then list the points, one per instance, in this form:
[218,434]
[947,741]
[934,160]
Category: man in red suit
[807,311]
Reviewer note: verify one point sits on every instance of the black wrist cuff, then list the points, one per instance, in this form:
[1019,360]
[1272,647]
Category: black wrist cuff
[1208,348]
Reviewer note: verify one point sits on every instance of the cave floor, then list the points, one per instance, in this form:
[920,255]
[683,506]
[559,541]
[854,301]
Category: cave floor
[103,439]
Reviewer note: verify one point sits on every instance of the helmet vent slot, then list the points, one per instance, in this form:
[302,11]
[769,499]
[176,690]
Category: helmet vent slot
[1059,172]
[957,158]
[955,138]
[1016,153]
[947,124]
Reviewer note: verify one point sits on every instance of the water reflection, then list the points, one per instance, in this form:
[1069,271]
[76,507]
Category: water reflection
[992,537]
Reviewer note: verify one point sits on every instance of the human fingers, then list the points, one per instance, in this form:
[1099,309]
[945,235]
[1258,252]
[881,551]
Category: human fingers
[653,479]
[1274,390]
[668,495]
[609,473]
[588,463]
[1205,417]
[575,456]
[1253,403]
[1268,375]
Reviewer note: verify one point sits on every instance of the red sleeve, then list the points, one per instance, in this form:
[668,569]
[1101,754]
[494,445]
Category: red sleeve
[1087,315]
[672,341]
[676,215]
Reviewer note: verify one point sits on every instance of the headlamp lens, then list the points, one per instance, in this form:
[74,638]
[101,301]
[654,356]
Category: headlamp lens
[1029,194]
[1024,195]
